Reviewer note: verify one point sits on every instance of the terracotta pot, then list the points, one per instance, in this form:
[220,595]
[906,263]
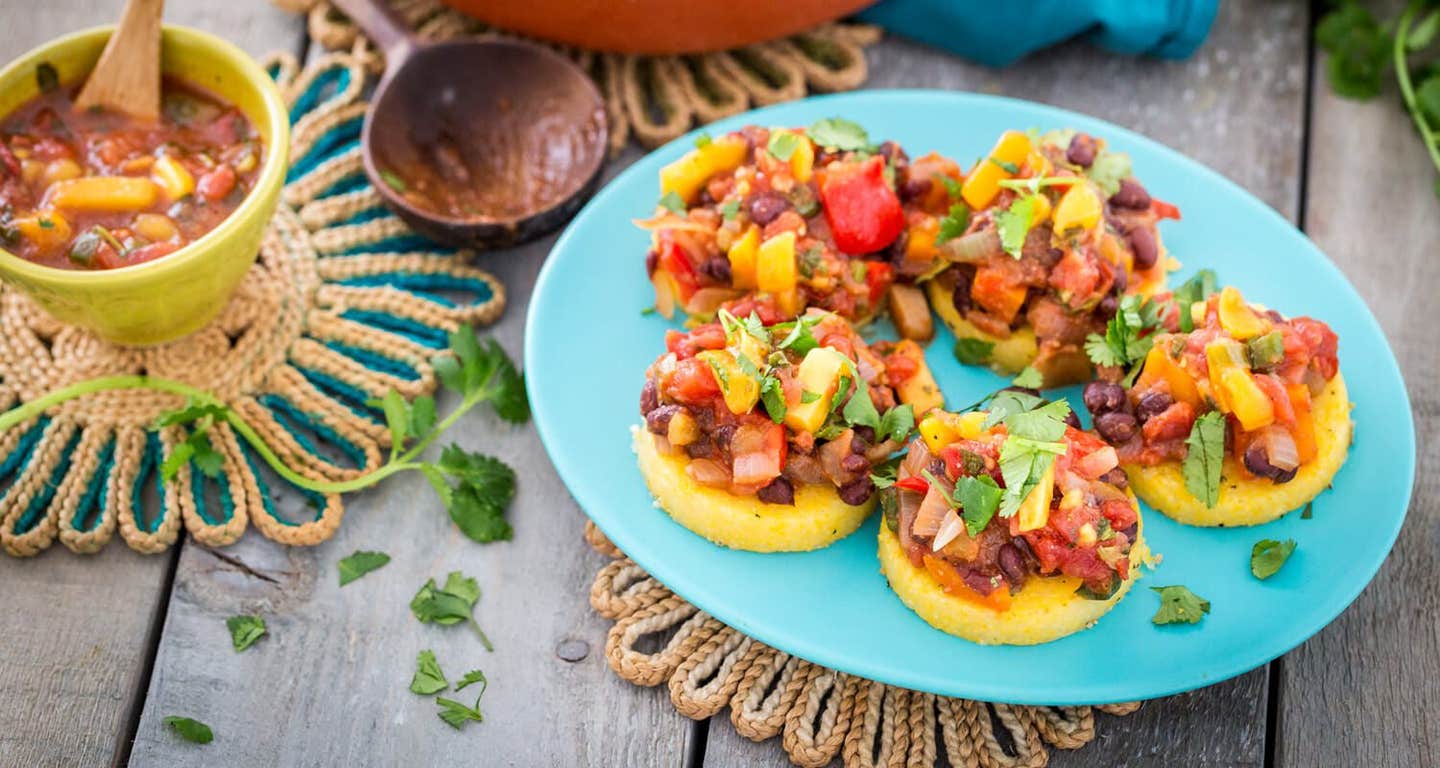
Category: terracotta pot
[657,26]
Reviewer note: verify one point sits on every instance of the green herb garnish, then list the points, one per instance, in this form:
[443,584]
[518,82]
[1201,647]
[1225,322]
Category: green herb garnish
[1013,223]
[672,202]
[456,714]
[703,140]
[897,423]
[978,496]
[1179,605]
[1023,461]
[1029,378]
[451,605]
[190,729]
[839,133]
[359,564]
[245,630]
[1204,458]
[973,351]
[954,223]
[782,145]
[1005,165]
[428,678]
[1198,288]
[730,209]
[393,180]
[1128,336]
[1268,555]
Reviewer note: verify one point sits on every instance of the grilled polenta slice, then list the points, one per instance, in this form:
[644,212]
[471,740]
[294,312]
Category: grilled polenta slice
[817,519]
[1246,500]
[1045,609]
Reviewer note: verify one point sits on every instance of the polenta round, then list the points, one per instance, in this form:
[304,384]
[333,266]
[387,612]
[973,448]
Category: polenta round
[817,519]
[1045,609]
[1009,355]
[1246,500]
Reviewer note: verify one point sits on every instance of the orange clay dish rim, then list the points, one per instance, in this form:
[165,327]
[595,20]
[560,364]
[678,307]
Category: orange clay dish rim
[272,170]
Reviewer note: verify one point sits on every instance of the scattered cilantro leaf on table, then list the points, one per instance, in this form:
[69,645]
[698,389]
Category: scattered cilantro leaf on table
[1309,511]
[190,729]
[245,630]
[1268,555]
[359,564]
[1204,458]
[471,677]
[452,604]
[1178,605]
[428,678]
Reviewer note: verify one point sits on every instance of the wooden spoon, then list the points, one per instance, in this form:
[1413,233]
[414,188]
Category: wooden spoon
[519,125]
[127,77]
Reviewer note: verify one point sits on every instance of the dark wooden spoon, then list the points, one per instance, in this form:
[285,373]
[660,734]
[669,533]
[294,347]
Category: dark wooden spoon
[480,142]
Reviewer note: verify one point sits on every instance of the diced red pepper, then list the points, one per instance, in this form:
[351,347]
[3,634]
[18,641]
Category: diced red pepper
[1164,210]
[916,484]
[676,264]
[216,184]
[863,211]
[878,276]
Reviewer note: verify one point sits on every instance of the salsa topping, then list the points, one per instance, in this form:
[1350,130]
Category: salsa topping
[760,408]
[1215,376]
[84,189]
[985,500]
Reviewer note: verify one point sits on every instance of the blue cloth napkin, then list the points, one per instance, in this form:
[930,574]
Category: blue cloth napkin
[1000,32]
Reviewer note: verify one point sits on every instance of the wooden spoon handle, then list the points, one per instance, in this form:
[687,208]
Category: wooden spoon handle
[382,24]
[127,76]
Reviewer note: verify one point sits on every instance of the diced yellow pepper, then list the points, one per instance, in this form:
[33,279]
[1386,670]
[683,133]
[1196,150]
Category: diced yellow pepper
[1246,400]
[1222,355]
[819,373]
[937,431]
[1041,211]
[802,163]
[63,169]
[1079,208]
[1086,536]
[46,229]
[983,183]
[742,258]
[1034,511]
[173,177]
[687,175]
[1040,165]
[1073,499]
[1237,318]
[741,390]
[920,390]
[789,302]
[104,193]
[683,429]
[154,227]
[920,242]
[1159,365]
[971,425]
[775,264]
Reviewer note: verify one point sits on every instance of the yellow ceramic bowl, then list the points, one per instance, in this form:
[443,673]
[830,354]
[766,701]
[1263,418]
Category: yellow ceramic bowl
[165,299]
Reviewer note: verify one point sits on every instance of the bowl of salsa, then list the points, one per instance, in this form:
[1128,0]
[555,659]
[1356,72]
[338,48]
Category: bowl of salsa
[137,230]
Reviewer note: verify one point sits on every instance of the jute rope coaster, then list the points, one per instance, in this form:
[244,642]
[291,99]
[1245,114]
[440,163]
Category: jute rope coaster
[652,98]
[819,714]
[343,304]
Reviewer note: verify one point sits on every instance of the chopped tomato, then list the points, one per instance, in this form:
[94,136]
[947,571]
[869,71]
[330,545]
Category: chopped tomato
[151,252]
[216,184]
[863,211]
[1120,513]
[701,337]
[878,276]
[676,264]
[759,450]
[1279,398]
[693,382]
[1173,423]
[899,367]
[995,291]
[1164,210]
[1323,344]
[953,583]
[1075,277]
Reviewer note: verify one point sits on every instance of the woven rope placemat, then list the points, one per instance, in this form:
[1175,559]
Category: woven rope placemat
[819,714]
[651,98]
[343,304]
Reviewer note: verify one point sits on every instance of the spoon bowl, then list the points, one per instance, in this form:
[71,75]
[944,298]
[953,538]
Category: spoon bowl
[478,143]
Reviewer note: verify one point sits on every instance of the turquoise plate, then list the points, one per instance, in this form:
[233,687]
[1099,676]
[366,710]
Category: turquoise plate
[588,344]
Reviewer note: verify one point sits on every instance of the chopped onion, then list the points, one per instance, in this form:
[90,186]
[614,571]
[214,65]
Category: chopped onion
[917,458]
[1280,448]
[707,300]
[674,223]
[1099,462]
[951,526]
[909,508]
[832,453]
[708,472]
[974,248]
[804,469]
[664,293]
[932,511]
[878,453]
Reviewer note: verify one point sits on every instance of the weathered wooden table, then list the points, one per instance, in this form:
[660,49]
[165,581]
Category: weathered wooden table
[95,651]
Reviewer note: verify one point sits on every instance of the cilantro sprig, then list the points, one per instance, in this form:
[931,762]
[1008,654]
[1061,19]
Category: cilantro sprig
[475,488]
[1178,605]
[1013,224]
[450,604]
[1128,336]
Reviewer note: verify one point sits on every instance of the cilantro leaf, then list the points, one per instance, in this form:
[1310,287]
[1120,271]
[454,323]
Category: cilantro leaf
[782,145]
[397,418]
[953,188]
[451,605]
[421,418]
[428,678]
[483,372]
[800,339]
[1029,378]
[477,503]
[973,351]
[359,564]
[1197,288]
[190,729]
[772,396]
[1007,402]
[839,133]
[672,202]
[978,497]
[1128,336]
[1268,555]
[1004,165]
[1203,460]
[245,630]
[200,418]
[456,714]
[860,409]
[955,222]
[897,423]
[470,678]
[1179,605]
[1309,511]
[1045,423]
[1014,223]
[1108,170]
[703,140]
[1359,49]
[1023,462]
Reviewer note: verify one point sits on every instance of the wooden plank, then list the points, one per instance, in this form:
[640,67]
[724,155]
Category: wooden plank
[78,630]
[1363,690]
[329,686]
[1237,106]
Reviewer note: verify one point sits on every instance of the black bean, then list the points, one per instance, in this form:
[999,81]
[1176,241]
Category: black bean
[1117,478]
[649,397]
[858,442]
[1116,426]
[652,260]
[1258,462]
[766,207]
[1081,150]
[1108,306]
[658,419]
[1049,257]
[1023,546]
[1072,420]
[1122,281]
[858,491]
[1012,564]
[717,268]
[913,188]
[892,152]
[702,448]
[937,467]
[779,491]
[960,297]
[1103,397]
[723,434]
[854,463]
[1152,405]
[1130,195]
[1143,245]
[705,198]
